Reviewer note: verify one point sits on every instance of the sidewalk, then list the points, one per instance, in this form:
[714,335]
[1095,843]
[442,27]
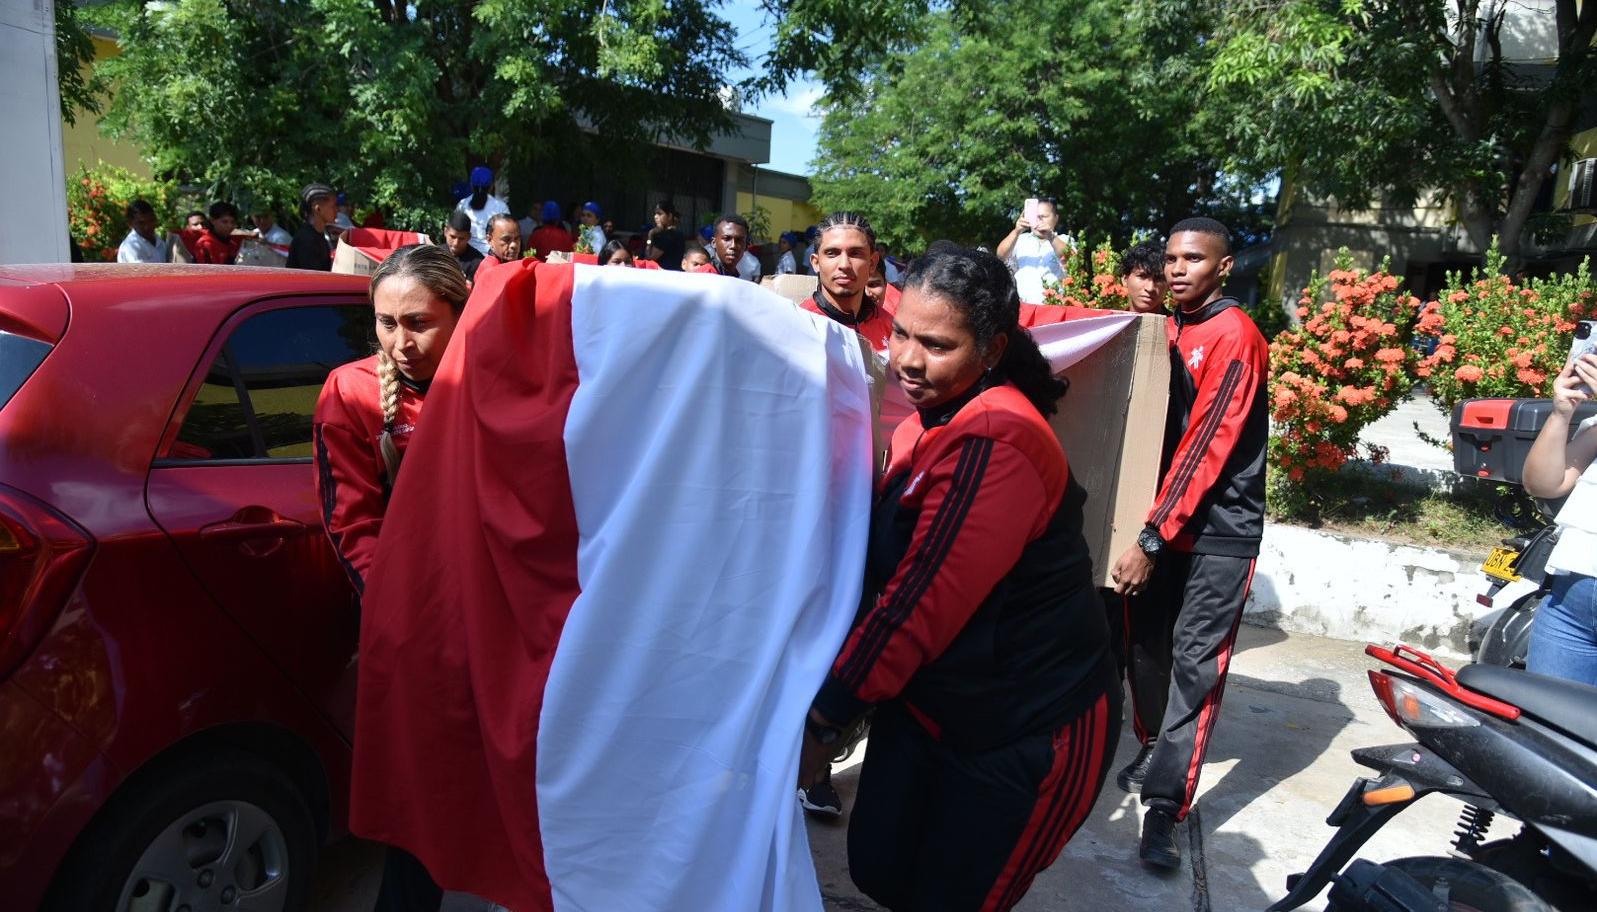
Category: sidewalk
[1295,706]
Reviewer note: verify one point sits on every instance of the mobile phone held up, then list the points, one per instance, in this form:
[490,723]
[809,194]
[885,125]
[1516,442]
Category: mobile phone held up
[1585,344]
[1029,213]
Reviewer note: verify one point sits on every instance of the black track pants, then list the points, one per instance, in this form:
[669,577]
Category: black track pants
[1182,630]
[936,829]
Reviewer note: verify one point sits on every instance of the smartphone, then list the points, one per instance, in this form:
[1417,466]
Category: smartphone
[1030,212]
[1585,344]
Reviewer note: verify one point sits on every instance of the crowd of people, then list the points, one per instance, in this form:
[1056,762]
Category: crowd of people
[983,656]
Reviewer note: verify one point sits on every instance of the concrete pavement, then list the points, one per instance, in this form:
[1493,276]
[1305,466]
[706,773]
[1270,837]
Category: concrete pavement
[1294,707]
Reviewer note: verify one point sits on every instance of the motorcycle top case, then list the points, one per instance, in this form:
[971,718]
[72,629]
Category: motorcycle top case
[1492,437]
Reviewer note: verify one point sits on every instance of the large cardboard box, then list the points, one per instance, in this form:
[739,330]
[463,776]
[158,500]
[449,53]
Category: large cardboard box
[1111,424]
[361,249]
[795,288]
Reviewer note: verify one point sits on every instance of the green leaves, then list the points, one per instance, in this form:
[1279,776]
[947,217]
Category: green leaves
[392,100]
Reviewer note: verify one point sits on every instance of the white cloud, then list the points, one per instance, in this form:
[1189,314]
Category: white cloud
[799,100]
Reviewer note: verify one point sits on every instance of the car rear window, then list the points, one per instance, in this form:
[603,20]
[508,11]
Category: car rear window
[19,357]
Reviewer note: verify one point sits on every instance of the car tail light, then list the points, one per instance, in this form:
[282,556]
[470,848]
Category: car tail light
[42,557]
[1411,704]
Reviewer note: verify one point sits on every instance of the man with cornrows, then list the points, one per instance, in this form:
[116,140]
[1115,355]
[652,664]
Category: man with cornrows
[364,420]
[844,260]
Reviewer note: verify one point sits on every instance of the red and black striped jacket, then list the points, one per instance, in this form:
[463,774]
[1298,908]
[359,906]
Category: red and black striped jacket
[980,614]
[1211,487]
[874,324]
[351,480]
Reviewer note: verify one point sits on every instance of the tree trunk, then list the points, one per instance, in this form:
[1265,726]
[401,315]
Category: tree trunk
[1549,148]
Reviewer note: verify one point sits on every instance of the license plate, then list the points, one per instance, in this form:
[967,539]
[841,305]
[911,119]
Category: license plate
[1501,564]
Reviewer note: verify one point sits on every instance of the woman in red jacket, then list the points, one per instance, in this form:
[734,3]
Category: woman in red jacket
[982,645]
[364,418]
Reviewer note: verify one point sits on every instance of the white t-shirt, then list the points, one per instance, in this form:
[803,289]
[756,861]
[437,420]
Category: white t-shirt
[1576,551]
[136,249]
[749,267]
[491,207]
[893,273]
[1032,260]
[596,237]
[278,239]
[787,265]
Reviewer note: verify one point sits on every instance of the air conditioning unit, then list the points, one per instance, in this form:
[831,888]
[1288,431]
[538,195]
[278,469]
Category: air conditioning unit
[1581,177]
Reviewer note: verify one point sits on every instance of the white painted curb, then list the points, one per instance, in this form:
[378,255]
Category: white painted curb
[1364,590]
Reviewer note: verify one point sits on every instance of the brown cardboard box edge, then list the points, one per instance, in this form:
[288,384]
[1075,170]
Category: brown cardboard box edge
[1111,425]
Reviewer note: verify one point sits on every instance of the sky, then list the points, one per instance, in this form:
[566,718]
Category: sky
[794,117]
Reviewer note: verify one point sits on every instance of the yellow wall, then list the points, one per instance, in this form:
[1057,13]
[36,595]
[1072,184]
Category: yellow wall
[786,215]
[82,144]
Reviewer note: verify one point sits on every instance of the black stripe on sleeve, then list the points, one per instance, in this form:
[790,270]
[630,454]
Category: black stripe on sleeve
[926,562]
[1200,443]
[324,471]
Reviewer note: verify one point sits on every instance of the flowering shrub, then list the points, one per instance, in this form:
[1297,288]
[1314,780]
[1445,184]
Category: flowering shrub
[1092,279]
[1346,365]
[1497,337]
[97,202]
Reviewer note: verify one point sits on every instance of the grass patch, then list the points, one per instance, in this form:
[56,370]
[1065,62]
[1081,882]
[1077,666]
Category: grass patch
[1467,519]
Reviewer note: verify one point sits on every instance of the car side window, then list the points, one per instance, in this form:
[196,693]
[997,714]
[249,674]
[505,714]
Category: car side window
[259,393]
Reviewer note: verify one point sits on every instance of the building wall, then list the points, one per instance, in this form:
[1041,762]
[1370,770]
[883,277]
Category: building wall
[82,144]
[786,214]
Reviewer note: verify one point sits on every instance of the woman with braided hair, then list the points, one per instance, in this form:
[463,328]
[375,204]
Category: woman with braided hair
[364,419]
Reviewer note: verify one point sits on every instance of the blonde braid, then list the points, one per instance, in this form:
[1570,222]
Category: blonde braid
[388,400]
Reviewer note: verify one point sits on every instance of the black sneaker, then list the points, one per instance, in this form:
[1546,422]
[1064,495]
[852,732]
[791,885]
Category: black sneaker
[821,800]
[1159,848]
[1131,775]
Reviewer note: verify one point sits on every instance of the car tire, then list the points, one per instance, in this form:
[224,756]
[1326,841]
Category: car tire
[1466,886]
[222,829]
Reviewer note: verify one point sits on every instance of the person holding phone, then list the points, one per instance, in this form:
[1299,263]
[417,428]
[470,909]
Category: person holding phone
[1563,640]
[1034,250]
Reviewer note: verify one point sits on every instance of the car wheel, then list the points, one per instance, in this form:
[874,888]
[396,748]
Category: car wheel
[1465,886]
[220,832]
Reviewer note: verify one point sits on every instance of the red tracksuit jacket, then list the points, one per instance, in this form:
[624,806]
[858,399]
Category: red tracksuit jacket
[351,481]
[1211,489]
[874,324]
[984,620]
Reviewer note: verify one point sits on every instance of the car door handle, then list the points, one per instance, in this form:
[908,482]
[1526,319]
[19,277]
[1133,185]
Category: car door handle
[231,530]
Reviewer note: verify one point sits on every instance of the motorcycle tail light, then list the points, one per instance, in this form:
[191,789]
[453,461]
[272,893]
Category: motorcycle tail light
[1415,706]
[1381,683]
[42,557]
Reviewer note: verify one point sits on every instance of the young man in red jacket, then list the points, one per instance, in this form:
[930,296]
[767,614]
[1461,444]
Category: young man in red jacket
[845,258]
[1193,562]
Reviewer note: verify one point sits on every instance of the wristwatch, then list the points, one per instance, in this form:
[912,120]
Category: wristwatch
[1150,542]
[825,735]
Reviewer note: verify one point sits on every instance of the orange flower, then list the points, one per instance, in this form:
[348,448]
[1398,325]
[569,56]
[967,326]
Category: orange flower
[1469,373]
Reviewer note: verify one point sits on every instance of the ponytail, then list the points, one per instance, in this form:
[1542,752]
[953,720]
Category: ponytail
[980,286]
[388,400]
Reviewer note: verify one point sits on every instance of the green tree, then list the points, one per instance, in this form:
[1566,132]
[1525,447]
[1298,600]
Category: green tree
[394,99]
[1057,98]
[1359,98]
[74,52]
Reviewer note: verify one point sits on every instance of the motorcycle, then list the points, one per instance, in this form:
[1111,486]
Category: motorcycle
[1504,742]
[1516,581]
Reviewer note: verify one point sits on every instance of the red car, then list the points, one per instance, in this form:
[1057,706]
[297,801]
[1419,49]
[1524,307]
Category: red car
[177,638]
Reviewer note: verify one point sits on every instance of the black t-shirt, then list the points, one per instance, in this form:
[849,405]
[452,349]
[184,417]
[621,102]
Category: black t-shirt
[469,261]
[309,250]
[671,244]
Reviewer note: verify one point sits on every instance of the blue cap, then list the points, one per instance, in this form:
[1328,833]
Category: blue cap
[481,177]
[707,232]
[812,232]
[343,198]
[551,212]
[593,207]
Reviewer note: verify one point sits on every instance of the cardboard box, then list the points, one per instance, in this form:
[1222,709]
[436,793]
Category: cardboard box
[361,249]
[795,288]
[1111,424]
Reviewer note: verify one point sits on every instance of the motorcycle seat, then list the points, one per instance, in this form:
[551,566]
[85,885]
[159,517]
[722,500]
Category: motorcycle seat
[1569,706]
